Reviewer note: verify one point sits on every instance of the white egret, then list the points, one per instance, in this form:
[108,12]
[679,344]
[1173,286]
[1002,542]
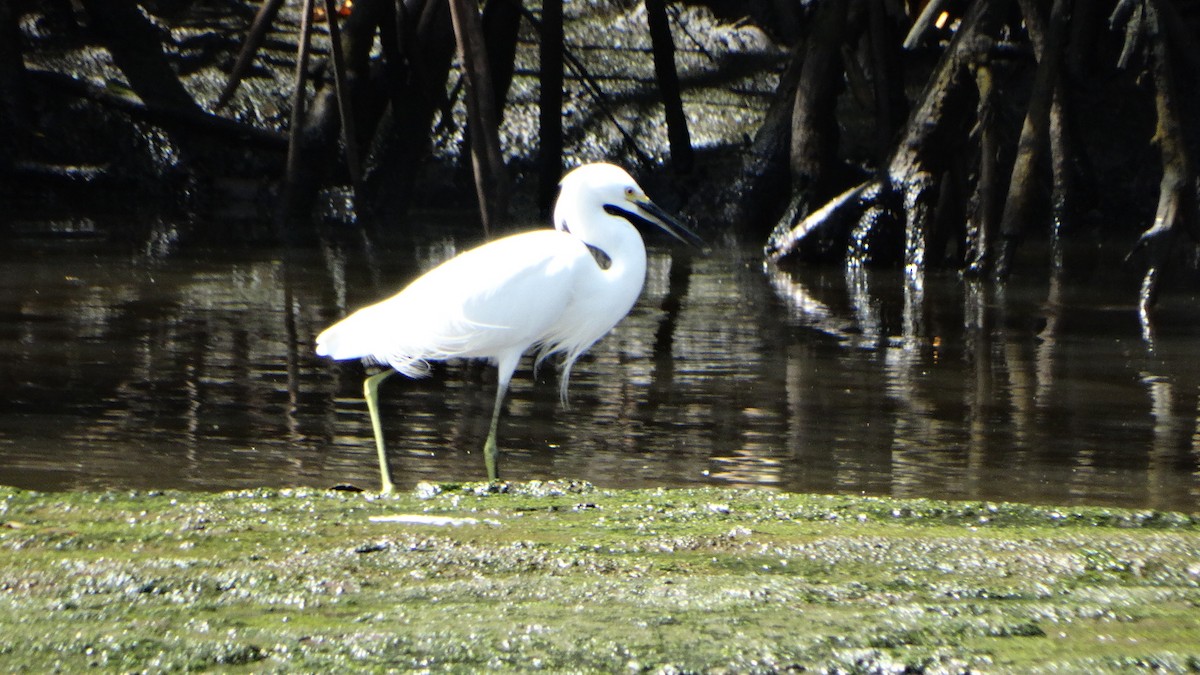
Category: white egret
[542,289]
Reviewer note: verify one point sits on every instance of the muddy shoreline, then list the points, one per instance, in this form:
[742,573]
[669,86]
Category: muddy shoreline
[563,576]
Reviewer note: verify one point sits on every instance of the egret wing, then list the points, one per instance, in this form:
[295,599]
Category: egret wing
[498,298]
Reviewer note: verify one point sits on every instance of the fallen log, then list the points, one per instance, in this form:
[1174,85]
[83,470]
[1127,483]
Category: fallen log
[904,192]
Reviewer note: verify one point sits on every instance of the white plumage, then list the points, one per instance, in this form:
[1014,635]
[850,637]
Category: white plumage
[542,290]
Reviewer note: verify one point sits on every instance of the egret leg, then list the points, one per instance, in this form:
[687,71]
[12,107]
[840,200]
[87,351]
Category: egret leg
[371,392]
[505,366]
[491,452]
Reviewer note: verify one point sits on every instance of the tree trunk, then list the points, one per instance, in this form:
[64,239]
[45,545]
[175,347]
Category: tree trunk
[300,137]
[663,46]
[136,47]
[425,40]
[315,133]
[905,190]
[814,124]
[344,99]
[501,28]
[758,194]
[487,164]
[984,204]
[255,37]
[813,157]
[15,114]
[887,77]
[922,23]
[550,99]
[1177,200]
[1035,133]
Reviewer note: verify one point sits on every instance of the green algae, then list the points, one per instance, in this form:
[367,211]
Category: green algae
[563,576]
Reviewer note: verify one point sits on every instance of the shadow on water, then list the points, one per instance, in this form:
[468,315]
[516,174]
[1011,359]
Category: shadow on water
[160,366]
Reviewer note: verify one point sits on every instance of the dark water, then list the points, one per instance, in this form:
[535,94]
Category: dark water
[157,365]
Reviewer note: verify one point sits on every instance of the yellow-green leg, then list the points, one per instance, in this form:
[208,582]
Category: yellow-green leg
[505,365]
[491,452]
[371,392]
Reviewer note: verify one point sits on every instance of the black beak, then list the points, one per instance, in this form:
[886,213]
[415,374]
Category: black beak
[649,212]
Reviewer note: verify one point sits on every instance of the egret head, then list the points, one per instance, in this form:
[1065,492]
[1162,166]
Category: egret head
[593,188]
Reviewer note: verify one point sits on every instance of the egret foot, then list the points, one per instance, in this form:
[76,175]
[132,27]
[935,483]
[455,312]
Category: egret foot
[491,454]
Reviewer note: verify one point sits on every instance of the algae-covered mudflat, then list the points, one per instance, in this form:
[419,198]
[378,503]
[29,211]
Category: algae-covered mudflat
[567,577]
